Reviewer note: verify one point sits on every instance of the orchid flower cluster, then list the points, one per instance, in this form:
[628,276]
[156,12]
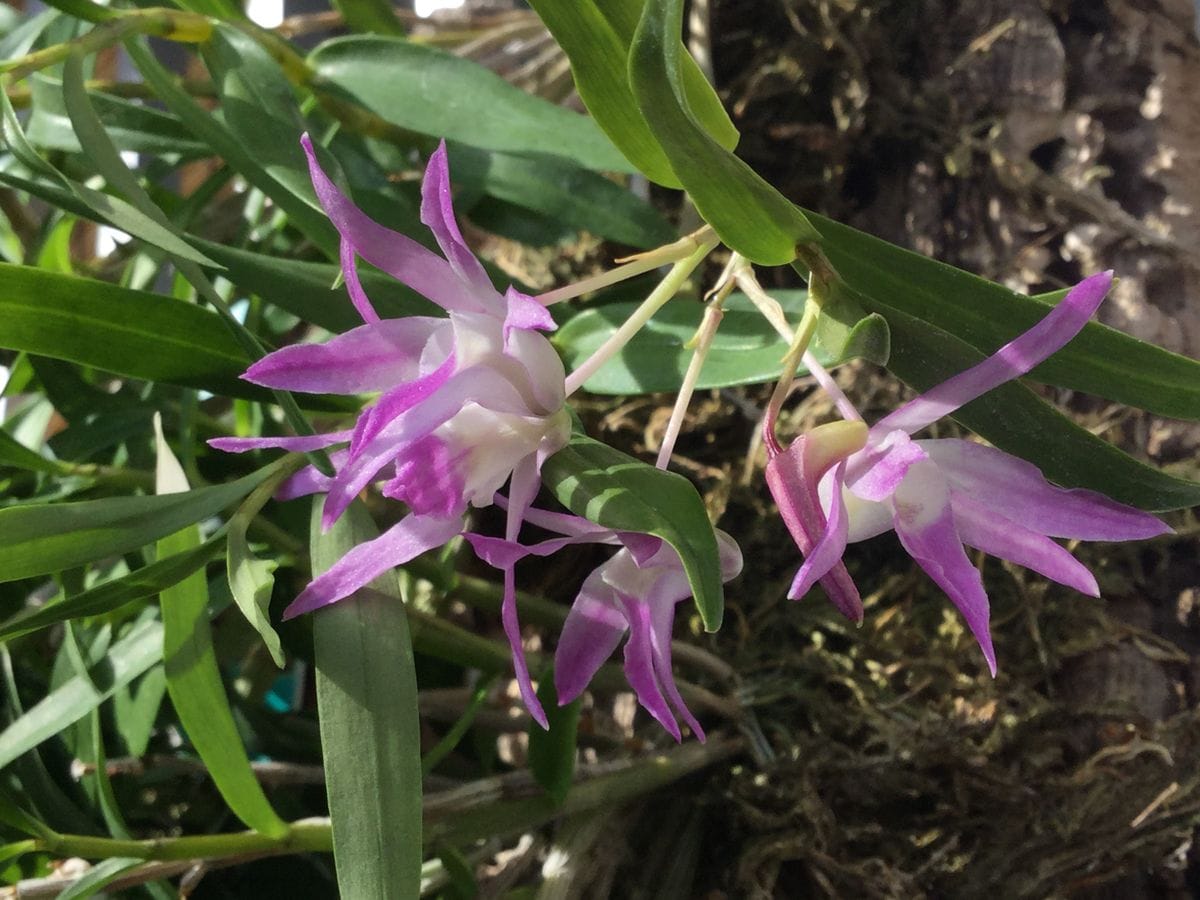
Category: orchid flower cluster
[476,400]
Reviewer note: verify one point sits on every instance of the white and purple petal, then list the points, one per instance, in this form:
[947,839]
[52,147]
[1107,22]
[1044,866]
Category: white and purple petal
[924,521]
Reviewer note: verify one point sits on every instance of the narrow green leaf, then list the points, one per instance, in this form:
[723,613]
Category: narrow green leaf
[552,750]
[98,877]
[145,582]
[1019,422]
[135,710]
[16,818]
[370,730]
[251,579]
[750,216]
[1100,361]
[455,98]
[746,350]
[596,38]
[571,195]
[135,127]
[128,658]
[193,677]
[306,289]
[14,453]
[127,332]
[259,107]
[42,538]
[617,491]
[302,208]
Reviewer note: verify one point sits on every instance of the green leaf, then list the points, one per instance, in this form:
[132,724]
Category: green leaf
[617,491]
[1019,422]
[447,96]
[41,538]
[302,208]
[1100,361]
[147,581]
[14,453]
[259,108]
[135,127]
[127,332]
[552,750]
[193,677]
[370,730]
[251,579]
[568,194]
[746,349]
[750,216]
[305,289]
[596,38]
[99,876]
[372,16]
[128,658]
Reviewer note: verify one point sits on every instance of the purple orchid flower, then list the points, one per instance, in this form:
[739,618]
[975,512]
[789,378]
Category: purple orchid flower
[835,488]
[466,403]
[635,591]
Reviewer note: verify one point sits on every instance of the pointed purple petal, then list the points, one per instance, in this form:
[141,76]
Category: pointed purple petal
[591,633]
[310,479]
[525,314]
[397,400]
[365,359]
[407,539]
[1018,491]
[925,525]
[302,444]
[400,256]
[1011,361]
[522,489]
[437,212]
[639,666]
[358,297]
[662,618]
[828,550]
[985,530]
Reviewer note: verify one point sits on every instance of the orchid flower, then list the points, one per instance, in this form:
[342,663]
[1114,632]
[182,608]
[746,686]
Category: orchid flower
[840,486]
[635,591]
[465,403]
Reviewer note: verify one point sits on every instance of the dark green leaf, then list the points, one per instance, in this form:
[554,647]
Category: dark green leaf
[1099,361]
[132,126]
[14,453]
[127,332]
[371,16]
[746,350]
[750,216]
[306,289]
[552,750]
[447,96]
[128,658]
[145,582]
[570,195]
[370,731]
[38,539]
[596,38]
[302,207]
[617,491]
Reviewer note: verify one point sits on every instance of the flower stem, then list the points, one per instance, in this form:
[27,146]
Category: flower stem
[638,264]
[701,343]
[791,362]
[666,289]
